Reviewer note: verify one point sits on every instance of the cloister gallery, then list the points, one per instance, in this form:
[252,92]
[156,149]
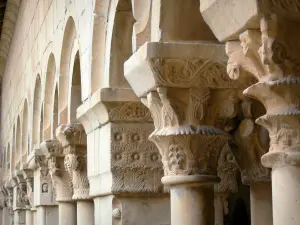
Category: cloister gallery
[150,112]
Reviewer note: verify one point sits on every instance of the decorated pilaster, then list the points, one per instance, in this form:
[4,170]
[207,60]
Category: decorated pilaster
[227,172]
[124,167]
[61,180]
[265,45]
[73,140]
[191,100]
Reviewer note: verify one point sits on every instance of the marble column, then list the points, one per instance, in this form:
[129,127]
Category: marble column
[29,217]
[191,199]
[219,209]
[67,213]
[261,203]
[73,140]
[85,212]
[189,115]
[61,180]
[41,215]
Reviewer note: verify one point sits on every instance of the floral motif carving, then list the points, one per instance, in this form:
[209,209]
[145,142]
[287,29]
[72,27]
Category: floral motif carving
[131,111]
[136,165]
[191,154]
[191,73]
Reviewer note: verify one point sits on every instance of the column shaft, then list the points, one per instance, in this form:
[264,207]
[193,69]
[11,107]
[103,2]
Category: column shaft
[261,203]
[286,195]
[19,217]
[219,212]
[29,219]
[67,213]
[85,213]
[41,215]
[192,205]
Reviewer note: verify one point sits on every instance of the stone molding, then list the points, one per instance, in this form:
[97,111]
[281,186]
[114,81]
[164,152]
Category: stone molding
[111,105]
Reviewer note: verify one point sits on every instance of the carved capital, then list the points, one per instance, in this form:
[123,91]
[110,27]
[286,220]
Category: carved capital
[22,197]
[264,52]
[284,132]
[36,159]
[73,141]
[77,168]
[51,148]
[28,176]
[191,101]
[70,136]
[8,196]
[191,154]
[59,176]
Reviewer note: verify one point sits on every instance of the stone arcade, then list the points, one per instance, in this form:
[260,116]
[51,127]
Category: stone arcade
[150,112]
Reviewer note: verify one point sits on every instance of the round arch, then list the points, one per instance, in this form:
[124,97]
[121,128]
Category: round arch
[37,105]
[25,127]
[65,69]
[48,99]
